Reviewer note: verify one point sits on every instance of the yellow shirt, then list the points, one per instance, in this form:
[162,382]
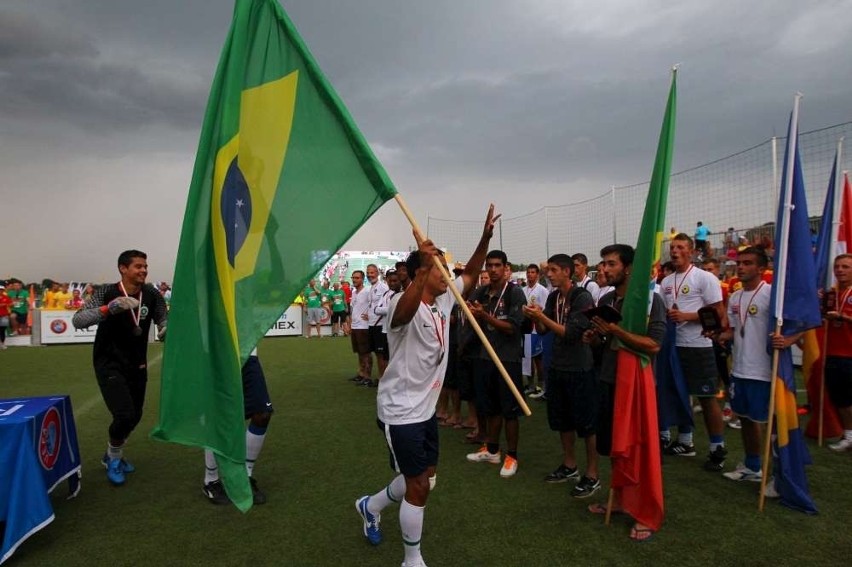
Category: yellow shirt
[60,298]
[48,300]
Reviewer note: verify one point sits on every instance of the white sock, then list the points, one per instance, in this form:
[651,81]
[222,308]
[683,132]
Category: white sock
[114,452]
[411,524]
[211,468]
[685,438]
[667,435]
[393,492]
[847,434]
[254,443]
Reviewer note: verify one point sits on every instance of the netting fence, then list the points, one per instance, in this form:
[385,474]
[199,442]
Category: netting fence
[738,191]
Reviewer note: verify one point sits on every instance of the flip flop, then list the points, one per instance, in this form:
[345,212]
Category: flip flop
[640,535]
[458,426]
[600,509]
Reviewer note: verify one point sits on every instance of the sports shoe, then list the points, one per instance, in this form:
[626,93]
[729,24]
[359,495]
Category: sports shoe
[483,456]
[257,495]
[115,472]
[843,445]
[532,390]
[510,467]
[355,378]
[586,487]
[215,493]
[373,384]
[680,449]
[716,459]
[769,491]
[371,521]
[418,564]
[742,472]
[364,382]
[539,395]
[562,474]
[126,467]
[697,408]
[735,424]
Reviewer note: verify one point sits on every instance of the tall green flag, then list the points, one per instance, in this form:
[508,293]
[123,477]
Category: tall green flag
[282,179]
[647,260]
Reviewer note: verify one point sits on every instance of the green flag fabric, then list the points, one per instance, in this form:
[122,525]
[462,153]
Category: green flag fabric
[647,259]
[277,144]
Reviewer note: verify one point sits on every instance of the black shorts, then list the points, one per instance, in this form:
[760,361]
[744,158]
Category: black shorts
[413,447]
[572,401]
[360,341]
[838,380]
[465,379]
[338,317]
[701,245]
[699,369]
[451,376]
[255,395]
[379,341]
[21,318]
[493,396]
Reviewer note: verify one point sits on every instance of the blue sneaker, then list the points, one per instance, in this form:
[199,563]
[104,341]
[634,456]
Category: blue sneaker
[126,467]
[371,521]
[115,472]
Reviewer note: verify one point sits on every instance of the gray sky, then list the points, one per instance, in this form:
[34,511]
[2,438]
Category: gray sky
[524,103]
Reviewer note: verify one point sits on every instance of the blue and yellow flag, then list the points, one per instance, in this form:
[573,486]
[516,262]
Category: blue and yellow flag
[793,301]
[282,179]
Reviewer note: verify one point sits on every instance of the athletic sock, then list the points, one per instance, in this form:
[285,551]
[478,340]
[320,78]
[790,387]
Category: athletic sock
[411,524]
[752,462]
[666,436]
[716,441]
[493,448]
[685,438]
[114,452]
[393,492]
[847,434]
[211,468]
[254,443]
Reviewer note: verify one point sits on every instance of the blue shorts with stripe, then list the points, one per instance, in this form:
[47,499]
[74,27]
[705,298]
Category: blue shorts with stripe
[413,447]
[750,398]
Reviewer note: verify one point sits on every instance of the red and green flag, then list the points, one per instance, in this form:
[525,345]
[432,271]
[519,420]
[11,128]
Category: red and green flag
[277,146]
[636,473]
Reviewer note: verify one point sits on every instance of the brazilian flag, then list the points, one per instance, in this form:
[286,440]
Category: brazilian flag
[282,179]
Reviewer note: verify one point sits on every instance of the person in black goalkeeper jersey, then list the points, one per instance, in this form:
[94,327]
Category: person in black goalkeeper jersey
[123,313]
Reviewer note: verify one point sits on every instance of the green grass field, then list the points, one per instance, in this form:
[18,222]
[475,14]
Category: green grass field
[323,450]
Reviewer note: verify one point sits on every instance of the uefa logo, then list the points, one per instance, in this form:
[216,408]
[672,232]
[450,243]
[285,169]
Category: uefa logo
[50,439]
[58,326]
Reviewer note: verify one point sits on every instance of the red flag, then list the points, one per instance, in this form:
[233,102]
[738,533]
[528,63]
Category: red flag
[637,477]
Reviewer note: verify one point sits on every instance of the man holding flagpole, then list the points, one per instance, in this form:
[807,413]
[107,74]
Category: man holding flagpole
[418,335]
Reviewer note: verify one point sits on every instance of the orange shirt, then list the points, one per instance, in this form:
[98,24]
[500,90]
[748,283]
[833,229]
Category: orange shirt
[839,338]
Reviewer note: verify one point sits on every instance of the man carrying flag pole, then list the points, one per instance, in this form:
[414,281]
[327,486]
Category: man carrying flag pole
[796,309]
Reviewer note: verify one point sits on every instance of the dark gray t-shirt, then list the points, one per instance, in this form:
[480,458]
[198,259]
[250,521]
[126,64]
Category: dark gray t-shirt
[656,330]
[509,307]
[569,351]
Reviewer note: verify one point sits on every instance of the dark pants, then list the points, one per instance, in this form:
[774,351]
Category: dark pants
[124,394]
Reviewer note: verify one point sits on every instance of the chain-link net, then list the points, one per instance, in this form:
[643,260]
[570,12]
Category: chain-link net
[737,192]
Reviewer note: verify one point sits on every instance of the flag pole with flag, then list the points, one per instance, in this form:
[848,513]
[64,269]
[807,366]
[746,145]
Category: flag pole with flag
[282,179]
[813,351]
[636,472]
[796,309]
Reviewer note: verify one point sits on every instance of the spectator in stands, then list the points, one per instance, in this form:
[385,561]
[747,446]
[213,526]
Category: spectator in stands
[581,276]
[48,301]
[88,292]
[684,293]
[76,302]
[702,233]
[5,314]
[61,297]
[20,306]
[672,233]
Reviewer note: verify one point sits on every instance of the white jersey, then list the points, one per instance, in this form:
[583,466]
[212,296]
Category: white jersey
[591,286]
[360,304]
[603,291]
[536,294]
[690,291]
[408,391]
[377,293]
[749,311]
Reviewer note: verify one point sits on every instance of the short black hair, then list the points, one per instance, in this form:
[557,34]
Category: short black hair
[126,257]
[581,258]
[359,272]
[625,253]
[497,255]
[563,261]
[757,252]
[412,263]
[534,267]
[399,265]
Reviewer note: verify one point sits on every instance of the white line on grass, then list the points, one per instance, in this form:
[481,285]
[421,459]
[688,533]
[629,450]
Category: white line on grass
[95,400]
